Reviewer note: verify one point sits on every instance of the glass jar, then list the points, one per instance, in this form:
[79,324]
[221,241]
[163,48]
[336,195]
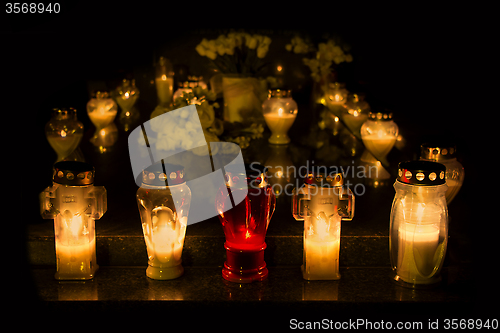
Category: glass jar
[335,97]
[446,155]
[164,80]
[245,223]
[280,111]
[164,200]
[102,111]
[126,96]
[64,133]
[355,113]
[379,134]
[419,223]
[74,203]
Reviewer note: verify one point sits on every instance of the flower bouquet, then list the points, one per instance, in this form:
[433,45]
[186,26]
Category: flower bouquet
[173,137]
[238,57]
[324,59]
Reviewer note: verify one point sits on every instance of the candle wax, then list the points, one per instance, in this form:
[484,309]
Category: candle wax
[64,145]
[279,124]
[416,255]
[76,261]
[321,247]
[321,259]
[378,145]
[165,89]
[102,119]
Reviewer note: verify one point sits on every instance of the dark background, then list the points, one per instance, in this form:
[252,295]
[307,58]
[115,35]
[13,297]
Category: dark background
[413,60]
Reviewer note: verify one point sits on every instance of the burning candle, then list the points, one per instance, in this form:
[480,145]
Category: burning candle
[379,134]
[163,201]
[164,81]
[322,203]
[321,247]
[355,114]
[64,132]
[74,203]
[280,111]
[102,111]
[419,223]
[245,223]
[336,97]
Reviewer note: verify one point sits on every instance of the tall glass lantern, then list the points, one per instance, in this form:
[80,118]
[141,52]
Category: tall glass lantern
[102,111]
[355,113]
[419,223]
[64,133]
[336,97]
[322,203]
[446,155]
[379,134]
[164,81]
[164,200]
[279,111]
[126,96]
[74,203]
[245,224]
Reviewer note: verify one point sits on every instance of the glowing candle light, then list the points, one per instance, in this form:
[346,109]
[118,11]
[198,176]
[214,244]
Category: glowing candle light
[419,223]
[163,200]
[322,203]
[74,203]
[64,133]
[280,111]
[245,224]
[164,81]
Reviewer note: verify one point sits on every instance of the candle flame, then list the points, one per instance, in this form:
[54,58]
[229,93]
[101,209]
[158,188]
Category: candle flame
[63,133]
[127,95]
[280,112]
[164,77]
[247,235]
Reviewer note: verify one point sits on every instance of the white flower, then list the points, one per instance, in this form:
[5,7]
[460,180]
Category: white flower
[251,42]
[262,51]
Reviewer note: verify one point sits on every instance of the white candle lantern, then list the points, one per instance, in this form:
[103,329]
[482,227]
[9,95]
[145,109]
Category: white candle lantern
[446,155]
[126,96]
[164,81]
[336,97]
[74,203]
[419,223]
[163,200]
[379,134]
[279,111]
[64,132]
[102,111]
[355,113]
[322,203]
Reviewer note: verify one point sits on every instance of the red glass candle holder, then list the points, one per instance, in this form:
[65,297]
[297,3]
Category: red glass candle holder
[245,224]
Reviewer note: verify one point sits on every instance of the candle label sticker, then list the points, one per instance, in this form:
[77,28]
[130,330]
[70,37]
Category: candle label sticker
[177,137]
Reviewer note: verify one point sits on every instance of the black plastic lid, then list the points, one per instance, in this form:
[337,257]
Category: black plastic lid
[73,173]
[421,173]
